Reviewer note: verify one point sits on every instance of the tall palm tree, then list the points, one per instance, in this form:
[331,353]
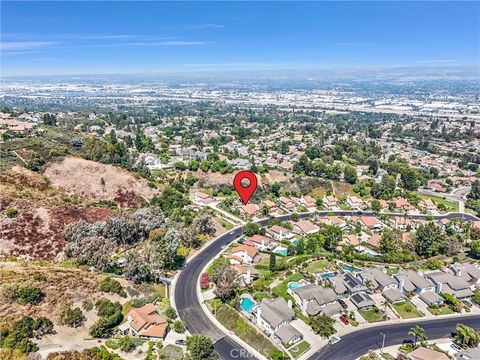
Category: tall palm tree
[418,333]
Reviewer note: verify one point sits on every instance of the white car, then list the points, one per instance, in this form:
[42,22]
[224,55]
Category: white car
[334,339]
[456,347]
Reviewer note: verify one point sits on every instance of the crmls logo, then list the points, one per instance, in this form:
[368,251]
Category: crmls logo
[241,354]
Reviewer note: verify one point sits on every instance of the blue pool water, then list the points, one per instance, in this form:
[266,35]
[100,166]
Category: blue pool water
[247,305]
[350,268]
[294,285]
[327,275]
[283,252]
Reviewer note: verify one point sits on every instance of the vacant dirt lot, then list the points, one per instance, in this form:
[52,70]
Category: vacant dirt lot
[91,180]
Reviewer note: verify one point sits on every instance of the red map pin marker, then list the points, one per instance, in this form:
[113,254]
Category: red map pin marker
[245,192]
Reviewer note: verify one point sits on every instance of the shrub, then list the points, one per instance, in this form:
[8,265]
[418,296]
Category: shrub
[170,313]
[126,344]
[22,293]
[110,285]
[178,326]
[204,281]
[71,317]
[11,213]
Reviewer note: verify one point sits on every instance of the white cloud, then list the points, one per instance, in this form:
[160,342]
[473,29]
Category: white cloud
[23,45]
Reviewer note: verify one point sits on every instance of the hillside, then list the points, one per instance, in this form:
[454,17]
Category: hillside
[33,215]
[82,179]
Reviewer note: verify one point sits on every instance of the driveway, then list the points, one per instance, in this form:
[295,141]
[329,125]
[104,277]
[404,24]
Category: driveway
[307,331]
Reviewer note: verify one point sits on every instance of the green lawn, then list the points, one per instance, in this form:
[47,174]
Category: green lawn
[233,321]
[387,356]
[298,349]
[442,310]
[171,352]
[373,315]
[392,271]
[407,310]
[450,205]
[319,265]
[260,296]
[281,289]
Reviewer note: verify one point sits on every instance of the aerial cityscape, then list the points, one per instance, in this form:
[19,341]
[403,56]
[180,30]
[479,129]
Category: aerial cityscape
[240,180]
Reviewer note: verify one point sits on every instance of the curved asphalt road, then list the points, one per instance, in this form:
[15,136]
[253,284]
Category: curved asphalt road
[352,345]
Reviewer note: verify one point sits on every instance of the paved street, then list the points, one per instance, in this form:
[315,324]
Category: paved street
[352,345]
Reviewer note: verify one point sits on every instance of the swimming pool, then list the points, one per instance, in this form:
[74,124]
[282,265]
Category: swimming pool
[328,275]
[292,285]
[281,251]
[247,305]
[350,268]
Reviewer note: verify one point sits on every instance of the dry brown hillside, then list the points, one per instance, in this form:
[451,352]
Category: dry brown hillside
[83,179]
[36,231]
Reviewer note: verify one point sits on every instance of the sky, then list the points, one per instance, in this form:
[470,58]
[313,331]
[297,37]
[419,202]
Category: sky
[77,37]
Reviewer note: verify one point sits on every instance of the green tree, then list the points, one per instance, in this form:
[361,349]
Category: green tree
[476,297]
[418,333]
[475,248]
[390,241]
[410,178]
[323,325]
[428,240]
[251,229]
[126,343]
[350,174]
[200,347]
[466,336]
[474,193]
[276,189]
[273,262]
[330,236]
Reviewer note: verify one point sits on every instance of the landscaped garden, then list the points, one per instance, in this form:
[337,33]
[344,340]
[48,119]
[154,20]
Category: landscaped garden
[299,349]
[233,321]
[440,310]
[319,265]
[282,288]
[372,315]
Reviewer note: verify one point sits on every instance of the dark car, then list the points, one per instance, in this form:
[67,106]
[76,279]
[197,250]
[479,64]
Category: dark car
[343,304]
[180,342]
[407,341]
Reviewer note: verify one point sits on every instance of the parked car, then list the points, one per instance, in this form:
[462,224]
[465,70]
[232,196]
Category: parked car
[344,320]
[343,304]
[333,340]
[456,347]
[467,303]
[180,342]
[407,341]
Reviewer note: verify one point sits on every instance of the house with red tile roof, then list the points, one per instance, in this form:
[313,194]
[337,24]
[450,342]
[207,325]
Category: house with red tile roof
[202,198]
[350,239]
[250,209]
[146,322]
[437,187]
[305,227]
[330,202]
[243,254]
[280,233]
[260,242]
